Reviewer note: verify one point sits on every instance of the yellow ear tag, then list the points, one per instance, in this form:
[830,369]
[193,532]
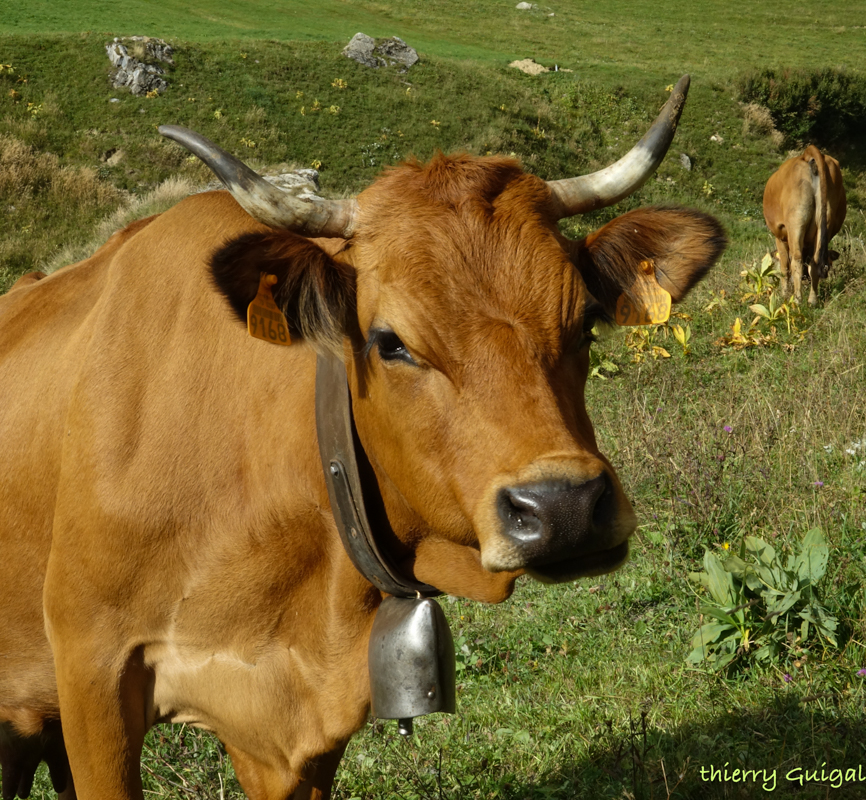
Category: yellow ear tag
[646,303]
[264,318]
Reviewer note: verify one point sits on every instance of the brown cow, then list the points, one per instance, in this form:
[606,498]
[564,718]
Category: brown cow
[169,551]
[804,207]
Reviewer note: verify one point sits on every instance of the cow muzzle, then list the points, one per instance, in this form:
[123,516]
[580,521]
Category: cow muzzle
[559,530]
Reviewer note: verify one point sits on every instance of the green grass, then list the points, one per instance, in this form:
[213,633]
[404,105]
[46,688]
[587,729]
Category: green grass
[577,691]
[617,37]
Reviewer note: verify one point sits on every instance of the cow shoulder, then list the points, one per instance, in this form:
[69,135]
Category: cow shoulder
[315,290]
[682,245]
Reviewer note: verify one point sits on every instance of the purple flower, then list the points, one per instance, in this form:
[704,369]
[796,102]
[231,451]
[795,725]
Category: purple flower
[727,429]
[862,672]
[787,678]
[818,484]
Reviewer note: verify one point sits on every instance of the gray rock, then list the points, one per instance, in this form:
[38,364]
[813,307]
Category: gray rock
[686,162]
[525,6]
[136,61]
[380,52]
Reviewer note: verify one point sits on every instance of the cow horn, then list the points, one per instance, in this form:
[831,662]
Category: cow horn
[611,184]
[262,200]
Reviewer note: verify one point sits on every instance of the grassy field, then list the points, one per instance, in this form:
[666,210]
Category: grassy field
[742,427]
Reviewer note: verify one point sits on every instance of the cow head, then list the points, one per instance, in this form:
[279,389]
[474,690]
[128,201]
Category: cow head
[465,320]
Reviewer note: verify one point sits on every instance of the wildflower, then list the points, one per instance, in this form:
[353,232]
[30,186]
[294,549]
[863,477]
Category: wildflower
[862,672]
[726,546]
[727,429]
[818,484]
[434,123]
[787,678]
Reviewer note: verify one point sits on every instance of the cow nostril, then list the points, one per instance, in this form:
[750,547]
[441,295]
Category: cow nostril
[519,510]
[555,516]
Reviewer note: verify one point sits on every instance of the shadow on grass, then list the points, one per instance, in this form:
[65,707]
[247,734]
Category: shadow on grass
[782,751]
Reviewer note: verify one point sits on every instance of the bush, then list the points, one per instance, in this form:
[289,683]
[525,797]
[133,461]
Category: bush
[820,106]
[760,605]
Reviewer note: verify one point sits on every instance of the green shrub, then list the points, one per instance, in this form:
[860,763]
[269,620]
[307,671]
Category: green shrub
[761,606]
[821,106]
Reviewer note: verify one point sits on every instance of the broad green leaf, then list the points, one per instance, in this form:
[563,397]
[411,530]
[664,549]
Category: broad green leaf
[760,310]
[719,582]
[812,561]
[736,566]
[826,625]
[722,661]
[761,550]
[786,602]
[768,651]
[709,632]
[720,614]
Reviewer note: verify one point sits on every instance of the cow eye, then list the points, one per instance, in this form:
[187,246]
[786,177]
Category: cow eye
[391,347]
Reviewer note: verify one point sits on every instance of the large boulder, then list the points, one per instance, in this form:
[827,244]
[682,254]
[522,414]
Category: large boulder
[380,52]
[137,63]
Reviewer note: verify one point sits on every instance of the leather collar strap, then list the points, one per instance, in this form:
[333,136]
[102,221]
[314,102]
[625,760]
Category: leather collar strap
[338,439]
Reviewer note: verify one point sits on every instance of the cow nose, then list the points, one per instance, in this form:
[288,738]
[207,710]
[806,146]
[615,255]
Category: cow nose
[555,519]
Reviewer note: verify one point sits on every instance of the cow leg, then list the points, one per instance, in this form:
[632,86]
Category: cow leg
[784,268]
[320,777]
[815,275]
[796,268]
[103,713]
[20,757]
[263,782]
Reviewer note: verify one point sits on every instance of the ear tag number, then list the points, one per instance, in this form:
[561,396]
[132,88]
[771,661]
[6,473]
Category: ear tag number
[646,303]
[264,319]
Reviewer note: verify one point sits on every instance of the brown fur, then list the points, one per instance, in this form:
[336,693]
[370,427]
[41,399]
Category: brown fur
[169,551]
[804,207]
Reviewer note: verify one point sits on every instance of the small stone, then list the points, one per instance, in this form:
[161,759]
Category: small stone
[686,162]
[525,6]
[376,53]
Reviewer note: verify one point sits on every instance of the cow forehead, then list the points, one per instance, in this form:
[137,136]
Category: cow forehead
[463,239]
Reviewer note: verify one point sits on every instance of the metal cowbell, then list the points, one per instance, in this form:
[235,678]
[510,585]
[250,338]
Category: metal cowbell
[411,660]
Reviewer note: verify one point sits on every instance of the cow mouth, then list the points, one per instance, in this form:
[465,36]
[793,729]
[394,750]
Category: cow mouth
[598,563]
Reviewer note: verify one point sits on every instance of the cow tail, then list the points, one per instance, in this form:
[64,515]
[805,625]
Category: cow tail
[819,185]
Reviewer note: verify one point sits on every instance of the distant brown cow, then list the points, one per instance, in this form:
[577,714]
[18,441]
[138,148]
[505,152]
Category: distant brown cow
[804,207]
[169,551]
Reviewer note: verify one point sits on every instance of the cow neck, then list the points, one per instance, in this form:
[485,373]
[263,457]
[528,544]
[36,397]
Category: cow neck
[350,492]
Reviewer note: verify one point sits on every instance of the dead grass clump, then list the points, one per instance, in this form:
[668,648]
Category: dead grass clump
[27,174]
[163,197]
[757,121]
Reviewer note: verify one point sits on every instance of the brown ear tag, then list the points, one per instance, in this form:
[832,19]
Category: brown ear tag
[264,318]
[646,302]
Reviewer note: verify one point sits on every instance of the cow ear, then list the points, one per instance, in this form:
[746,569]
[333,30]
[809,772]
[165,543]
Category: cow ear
[681,244]
[315,292]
